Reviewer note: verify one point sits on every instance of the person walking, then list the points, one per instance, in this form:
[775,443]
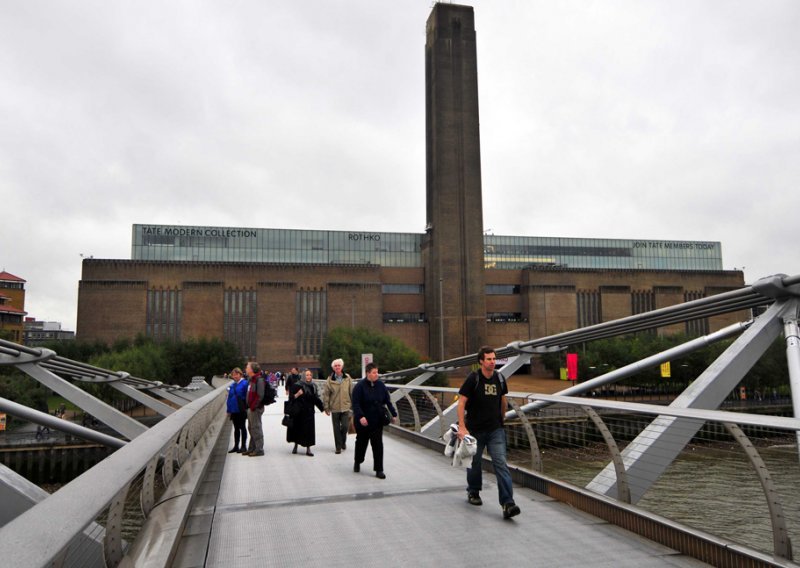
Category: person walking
[481,411]
[337,396]
[303,398]
[291,378]
[369,398]
[237,410]
[255,409]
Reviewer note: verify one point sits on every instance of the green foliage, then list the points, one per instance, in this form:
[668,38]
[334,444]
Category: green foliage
[18,387]
[171,362]
[206,357]
[145,361]
[602,356]
[83,351]
[347,343]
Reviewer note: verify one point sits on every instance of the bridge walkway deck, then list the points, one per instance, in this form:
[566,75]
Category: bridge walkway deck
[294,510]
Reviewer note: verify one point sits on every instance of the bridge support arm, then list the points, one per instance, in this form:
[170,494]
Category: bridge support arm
[167,394]
[143,398]
[44,419]
[792,334]
[649,455]
[398,394]
[105,413]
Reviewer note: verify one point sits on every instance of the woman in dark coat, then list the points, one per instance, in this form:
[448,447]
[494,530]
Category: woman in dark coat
[303,398]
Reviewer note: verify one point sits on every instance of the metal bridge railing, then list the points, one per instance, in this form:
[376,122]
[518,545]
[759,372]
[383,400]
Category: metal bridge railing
[574,438]
[638,464]
[63,529]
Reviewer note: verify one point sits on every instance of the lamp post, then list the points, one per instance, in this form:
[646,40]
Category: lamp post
[441,318]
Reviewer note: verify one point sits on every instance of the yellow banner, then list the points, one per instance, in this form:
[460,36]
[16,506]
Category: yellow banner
[665,370]
[563,373]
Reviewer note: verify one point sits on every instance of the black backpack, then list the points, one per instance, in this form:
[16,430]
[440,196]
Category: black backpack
[270,393]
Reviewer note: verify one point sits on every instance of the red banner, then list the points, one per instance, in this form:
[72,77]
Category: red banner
[572,366]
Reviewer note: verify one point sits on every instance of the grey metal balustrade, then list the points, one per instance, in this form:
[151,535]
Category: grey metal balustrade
[166,447]
[155,469]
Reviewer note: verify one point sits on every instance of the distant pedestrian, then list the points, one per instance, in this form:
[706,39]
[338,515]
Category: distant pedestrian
[292,378]
[337,398]
[370,396]
[255,409]
[482,407]
[303,398]
[237,410]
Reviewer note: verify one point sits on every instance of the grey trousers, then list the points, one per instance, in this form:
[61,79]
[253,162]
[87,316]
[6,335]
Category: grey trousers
[256,430]
[341,422]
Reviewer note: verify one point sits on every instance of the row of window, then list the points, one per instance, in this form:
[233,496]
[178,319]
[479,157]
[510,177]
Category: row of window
[404,318]
[219,244]
[164,313]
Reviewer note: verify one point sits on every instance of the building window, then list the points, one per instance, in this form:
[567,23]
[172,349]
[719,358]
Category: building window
[643,301]
[403,318]
[502,289]
[589,309]
[505,317]
[164,312]
[403,289]
[311,308]
[696,327]
[239,320]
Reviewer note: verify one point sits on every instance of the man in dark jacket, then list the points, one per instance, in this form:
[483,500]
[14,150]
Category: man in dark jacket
[292,378]
[369,397]
[255,396]
[481,410]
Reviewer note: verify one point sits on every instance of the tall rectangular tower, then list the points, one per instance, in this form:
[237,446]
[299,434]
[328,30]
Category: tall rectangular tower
[453,247]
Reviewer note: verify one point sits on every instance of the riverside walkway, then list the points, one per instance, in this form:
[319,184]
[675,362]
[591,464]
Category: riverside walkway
[294,510]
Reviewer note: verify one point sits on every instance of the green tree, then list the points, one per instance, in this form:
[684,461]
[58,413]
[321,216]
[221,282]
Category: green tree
[18,387]
[201,357]
[389,353]
[601,356]
[145,361]
[77,350]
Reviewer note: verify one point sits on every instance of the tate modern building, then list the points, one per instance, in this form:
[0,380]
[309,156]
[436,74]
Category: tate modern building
[444,291]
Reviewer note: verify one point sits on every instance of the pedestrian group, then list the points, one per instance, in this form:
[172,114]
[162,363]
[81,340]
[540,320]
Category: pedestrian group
[365,407]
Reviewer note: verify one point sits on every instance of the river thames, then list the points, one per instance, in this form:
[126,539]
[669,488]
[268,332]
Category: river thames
[711,488]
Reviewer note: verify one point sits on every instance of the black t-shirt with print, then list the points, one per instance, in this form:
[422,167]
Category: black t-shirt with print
[483,402]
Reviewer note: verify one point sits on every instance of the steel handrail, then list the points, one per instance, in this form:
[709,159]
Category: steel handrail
[33,541]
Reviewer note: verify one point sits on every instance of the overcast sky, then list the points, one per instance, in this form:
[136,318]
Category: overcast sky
[651,119]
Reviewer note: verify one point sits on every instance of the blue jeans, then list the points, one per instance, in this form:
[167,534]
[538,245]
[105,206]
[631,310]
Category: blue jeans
[495,442]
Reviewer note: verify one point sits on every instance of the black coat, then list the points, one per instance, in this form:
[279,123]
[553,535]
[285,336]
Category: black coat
[301,409]
[368,401]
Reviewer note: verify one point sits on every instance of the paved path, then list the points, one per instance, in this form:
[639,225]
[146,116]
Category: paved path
[294,510]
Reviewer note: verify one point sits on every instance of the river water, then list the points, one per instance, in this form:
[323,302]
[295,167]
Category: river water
[714,489]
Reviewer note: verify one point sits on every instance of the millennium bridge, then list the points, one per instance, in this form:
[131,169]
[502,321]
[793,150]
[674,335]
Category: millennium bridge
[171,495]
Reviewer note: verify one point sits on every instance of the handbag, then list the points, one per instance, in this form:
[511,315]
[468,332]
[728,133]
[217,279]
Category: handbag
[387,416]
[287,421]
[351,427]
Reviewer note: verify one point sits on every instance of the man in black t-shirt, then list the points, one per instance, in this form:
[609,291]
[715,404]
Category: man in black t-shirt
[481,410]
